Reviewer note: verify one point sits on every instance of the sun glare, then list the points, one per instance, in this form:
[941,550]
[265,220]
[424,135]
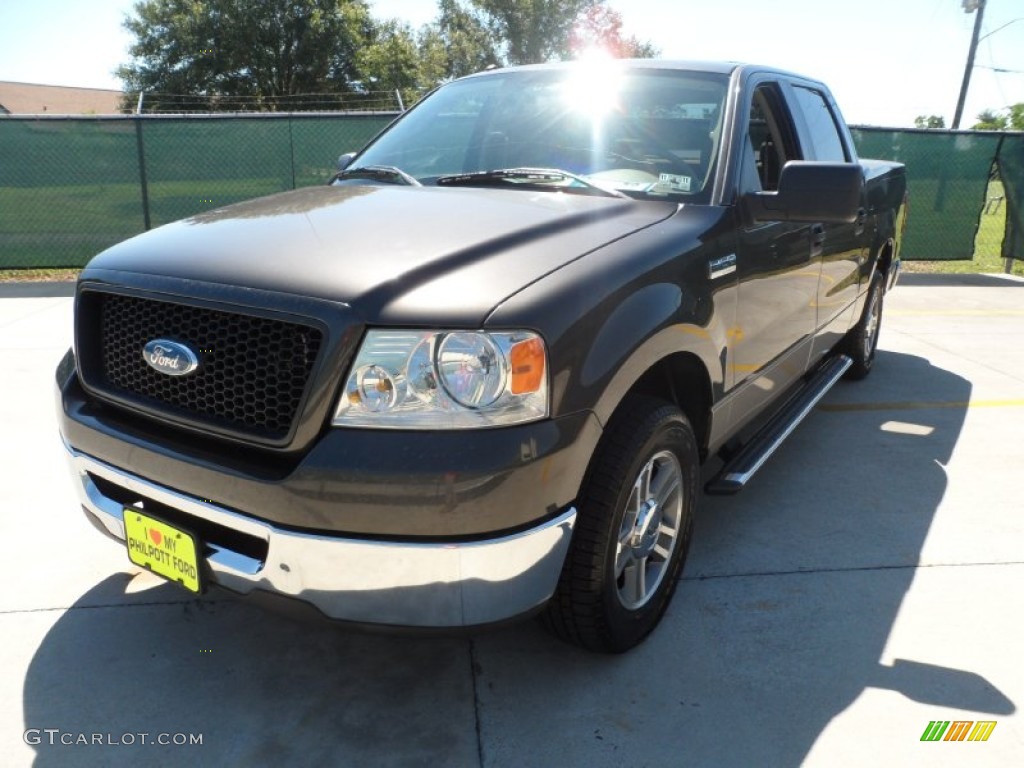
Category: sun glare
[593,87]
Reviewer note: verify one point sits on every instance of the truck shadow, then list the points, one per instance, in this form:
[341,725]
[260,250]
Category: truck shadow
[787,602]
[780,622]
[258,688]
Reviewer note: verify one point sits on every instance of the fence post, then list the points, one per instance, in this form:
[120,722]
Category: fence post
[291,146]
[142,171]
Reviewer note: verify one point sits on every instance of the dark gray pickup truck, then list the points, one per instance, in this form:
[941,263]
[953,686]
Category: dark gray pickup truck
[476,376]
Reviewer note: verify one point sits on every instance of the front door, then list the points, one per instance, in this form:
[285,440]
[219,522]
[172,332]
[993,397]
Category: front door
[779,268]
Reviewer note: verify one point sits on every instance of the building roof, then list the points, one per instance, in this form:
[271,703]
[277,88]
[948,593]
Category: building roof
[32,99]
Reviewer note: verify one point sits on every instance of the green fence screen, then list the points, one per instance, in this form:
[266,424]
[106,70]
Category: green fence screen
[1011,172]
[72,186]
[948,179]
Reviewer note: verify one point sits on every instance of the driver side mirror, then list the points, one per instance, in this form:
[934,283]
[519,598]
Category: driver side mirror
[813,192]
[344,161]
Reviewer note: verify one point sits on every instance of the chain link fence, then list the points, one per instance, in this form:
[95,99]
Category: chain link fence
[72,186]
[1009,194]
[965,189]
[359,100]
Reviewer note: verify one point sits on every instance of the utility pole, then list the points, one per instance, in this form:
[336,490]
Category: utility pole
[969,5]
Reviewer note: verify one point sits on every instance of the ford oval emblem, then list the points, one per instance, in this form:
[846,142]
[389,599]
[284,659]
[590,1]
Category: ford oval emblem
[170,357]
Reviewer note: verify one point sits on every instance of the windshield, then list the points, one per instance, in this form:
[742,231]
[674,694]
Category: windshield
[651,134]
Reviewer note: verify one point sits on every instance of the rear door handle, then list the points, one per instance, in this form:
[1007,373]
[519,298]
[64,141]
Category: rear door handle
[817,235]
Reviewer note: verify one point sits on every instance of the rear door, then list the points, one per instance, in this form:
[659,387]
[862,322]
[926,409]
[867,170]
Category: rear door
[840,248]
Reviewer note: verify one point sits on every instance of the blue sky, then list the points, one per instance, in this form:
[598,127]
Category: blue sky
[885,60]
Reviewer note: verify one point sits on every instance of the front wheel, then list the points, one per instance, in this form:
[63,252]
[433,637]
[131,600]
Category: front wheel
[863,339]
[633,529]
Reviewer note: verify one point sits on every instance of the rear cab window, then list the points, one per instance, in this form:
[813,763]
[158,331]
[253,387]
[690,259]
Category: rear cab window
[786,119]
[821,128]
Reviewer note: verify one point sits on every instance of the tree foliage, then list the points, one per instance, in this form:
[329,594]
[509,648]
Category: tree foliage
[1016,115]
[929,121]
[532,31]
[471,35]
[1010,119]
[230,54]
[600,27]
[261,49]
[457,44]
[990,120]
[390,61]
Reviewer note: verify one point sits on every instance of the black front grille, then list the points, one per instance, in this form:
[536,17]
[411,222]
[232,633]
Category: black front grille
[253,371]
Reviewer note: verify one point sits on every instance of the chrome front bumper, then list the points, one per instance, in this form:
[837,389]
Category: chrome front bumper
[376,582]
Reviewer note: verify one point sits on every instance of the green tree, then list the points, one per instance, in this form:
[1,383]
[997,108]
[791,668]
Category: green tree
[600,27]
[532,31]
[260,50]
[457,43]
[1016,117]
[990,120]
[929,121]
[390,61]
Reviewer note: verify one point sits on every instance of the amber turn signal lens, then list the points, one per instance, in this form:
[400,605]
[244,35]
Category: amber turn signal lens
[527,361]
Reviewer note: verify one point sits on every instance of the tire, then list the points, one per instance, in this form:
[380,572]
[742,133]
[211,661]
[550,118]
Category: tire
[633,528]
[863,339]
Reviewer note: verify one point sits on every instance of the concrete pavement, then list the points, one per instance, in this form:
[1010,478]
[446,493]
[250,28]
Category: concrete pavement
[866,583]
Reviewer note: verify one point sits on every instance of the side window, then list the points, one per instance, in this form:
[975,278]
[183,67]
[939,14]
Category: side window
[821,123]
[771,141]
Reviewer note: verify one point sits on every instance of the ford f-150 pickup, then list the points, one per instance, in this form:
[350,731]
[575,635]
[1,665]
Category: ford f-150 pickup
[477,375]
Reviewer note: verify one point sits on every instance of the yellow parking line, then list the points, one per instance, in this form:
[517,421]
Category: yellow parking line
[920,405]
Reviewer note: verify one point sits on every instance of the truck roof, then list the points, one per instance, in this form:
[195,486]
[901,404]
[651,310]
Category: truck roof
[715,67]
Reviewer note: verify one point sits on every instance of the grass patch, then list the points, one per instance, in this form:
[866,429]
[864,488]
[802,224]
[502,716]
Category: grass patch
[37,275]
[987,243]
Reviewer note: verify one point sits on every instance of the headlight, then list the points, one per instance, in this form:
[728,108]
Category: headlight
[445,380]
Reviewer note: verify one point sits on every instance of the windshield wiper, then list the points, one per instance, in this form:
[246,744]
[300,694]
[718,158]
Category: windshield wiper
[535,178]
[388,173]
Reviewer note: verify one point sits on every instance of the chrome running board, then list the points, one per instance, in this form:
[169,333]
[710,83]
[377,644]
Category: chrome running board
[739,469]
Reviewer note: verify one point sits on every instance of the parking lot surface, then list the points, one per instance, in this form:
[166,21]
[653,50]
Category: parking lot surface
[868,582]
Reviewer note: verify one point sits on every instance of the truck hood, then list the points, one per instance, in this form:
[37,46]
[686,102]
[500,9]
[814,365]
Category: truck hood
[394,254]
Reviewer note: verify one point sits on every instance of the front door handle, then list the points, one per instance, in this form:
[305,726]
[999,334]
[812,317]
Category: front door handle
[817,236]
[862,220]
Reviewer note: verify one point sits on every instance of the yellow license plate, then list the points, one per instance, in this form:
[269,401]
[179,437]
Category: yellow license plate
[163,549]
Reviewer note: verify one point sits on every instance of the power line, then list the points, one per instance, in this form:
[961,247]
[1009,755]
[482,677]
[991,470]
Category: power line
[1000,70]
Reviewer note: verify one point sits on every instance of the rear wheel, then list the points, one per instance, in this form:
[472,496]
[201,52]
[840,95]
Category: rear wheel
[863,339]
[633,529]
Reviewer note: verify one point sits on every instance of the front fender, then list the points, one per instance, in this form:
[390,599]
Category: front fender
[679,338]
[609,317]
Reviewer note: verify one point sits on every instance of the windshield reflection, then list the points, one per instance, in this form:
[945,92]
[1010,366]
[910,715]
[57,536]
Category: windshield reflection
[645,132]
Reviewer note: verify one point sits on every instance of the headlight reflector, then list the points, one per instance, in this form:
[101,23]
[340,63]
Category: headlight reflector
[472,369]
[414,379]
[374,388]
